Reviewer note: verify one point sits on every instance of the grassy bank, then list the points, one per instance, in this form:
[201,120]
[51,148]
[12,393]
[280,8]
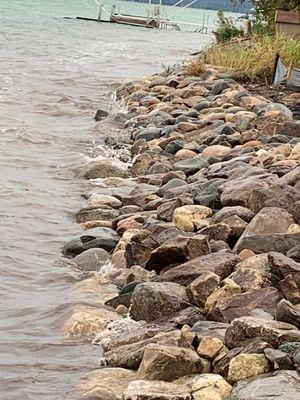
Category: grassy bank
[251,60]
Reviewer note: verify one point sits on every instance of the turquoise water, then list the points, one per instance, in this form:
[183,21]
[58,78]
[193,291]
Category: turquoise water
[54,74]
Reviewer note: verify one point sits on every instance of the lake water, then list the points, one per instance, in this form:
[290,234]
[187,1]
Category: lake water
[54,74]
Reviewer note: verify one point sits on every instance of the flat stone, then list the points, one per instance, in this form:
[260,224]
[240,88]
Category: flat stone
[221,264]
[243,330]
[278,385]
[191,165]
[150,390]
[211,387]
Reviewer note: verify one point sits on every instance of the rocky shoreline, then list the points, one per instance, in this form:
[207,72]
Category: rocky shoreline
[197,223]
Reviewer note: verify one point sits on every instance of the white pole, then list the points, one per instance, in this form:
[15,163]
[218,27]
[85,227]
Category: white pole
[100,10]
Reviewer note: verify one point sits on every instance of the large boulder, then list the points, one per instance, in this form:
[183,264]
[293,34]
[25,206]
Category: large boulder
[105,168]
[222,264]
[150,390]
[91,260]
[243,330]
[129,355]
[106,383]
[168,363]
[244,366]
[154,300]
[268,231]
[278,385]
[238,305]
[104,238]
[211,387]
[177,251]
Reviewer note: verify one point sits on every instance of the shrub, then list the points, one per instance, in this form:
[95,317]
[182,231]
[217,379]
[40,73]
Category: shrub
[252,60]
[226,29]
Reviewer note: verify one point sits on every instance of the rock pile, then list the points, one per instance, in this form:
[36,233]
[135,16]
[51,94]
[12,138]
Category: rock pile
[203,231]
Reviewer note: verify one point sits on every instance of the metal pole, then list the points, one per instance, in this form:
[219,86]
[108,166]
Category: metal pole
[100,10]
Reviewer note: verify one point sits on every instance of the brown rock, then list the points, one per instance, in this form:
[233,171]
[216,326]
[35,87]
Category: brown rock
[155,300]
[287,312]
[185,216]
[200,289]
[228,289]
[177,251]
[221,264]
[168,363]
[226,310]
[130,355]
[211,387]
[246,253]
[184,153]
[251,279]
[216,150]
[243,330]
[150,390]
[210,347]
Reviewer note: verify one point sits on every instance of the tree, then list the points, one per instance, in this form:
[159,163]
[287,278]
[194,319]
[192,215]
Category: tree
[265,9]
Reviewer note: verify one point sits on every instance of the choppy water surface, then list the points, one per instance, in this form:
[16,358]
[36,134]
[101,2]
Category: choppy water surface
[54,73]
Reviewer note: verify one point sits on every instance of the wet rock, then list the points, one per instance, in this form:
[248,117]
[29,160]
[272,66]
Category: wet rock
[245,366]
[139,146]
[130,355]
[185,217]
[148,134]
[141,164]
[269,224]
[273,386]
[288,313]
[238,305]
[154,300]
[200,289]
[104,213]
[221,264]
[177,251]
[168,363]
[150,390]
[243,330]
[100,115]
[88,321]
[211,387]
[91,260]
[104,238]
[106,168]
[97,200]
[107,383]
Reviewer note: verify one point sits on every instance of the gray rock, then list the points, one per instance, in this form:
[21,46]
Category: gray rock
[191,165]
[148,134]
[173,183]
[91,260]
[104,238]
[219,86]
[153,300]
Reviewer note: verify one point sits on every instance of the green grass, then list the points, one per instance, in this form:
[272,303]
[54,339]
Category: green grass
[251,60]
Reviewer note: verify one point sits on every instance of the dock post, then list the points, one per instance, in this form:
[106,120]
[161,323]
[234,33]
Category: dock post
[101,3]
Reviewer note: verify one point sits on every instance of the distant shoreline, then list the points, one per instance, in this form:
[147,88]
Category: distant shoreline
[202,4]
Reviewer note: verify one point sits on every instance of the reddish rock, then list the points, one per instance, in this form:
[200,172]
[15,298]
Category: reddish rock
[199,290]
